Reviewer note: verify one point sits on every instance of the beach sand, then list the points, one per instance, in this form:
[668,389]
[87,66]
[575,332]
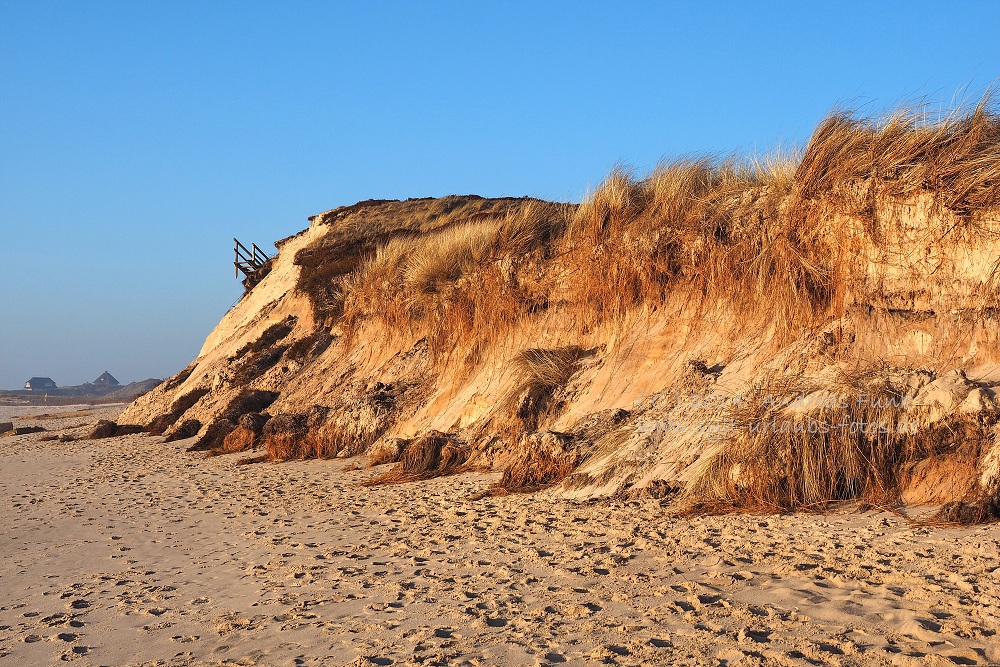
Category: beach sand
[131,551]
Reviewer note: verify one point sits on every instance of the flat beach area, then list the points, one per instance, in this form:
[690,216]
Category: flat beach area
[130,551]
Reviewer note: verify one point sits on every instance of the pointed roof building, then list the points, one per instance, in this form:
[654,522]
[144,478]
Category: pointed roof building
[106,380]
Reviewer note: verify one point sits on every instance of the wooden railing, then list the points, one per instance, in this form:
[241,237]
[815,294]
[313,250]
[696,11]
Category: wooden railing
[247,260]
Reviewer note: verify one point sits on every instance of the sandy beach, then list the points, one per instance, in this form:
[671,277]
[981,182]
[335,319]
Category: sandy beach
[130,551]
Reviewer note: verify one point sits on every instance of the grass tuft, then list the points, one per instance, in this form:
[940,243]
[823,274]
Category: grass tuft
[432,454]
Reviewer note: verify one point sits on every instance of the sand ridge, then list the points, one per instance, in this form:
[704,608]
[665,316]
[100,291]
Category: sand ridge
[129,551]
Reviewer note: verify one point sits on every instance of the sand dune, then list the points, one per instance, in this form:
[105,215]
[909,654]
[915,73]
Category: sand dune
[785,332]
[129,551]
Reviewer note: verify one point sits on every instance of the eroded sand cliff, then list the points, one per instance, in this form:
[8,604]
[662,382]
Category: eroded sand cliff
[784,334]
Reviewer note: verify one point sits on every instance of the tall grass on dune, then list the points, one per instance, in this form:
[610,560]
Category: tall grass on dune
[854,162]
[715,228]
[458,283]
[754,232]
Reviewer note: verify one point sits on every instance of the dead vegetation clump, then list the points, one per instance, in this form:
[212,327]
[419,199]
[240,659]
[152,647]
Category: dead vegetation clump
[188,429]
[244,437]
[790,446]
[549,368]
[348,428]
[354,422]
[325,441]
[533,399]
[249,401]
[432,454]
[109,429]
[283,434]
[298,436]
[214,436]
[161,424]
[239,439]
[539,461]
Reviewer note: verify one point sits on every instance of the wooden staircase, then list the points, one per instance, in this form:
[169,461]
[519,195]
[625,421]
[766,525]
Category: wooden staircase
[252,262]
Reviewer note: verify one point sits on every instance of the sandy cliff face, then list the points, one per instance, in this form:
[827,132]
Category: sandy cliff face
[729,338]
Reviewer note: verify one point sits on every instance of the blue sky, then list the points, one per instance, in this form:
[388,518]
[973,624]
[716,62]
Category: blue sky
[137,138]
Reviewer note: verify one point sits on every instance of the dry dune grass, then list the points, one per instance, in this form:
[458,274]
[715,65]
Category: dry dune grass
[432,454]
[715,229]
[528,403]
[538,461]
[859,162]
[738,229]
[791,446]
[370,228]
[545,368]
[239,440]
[728,230]
[457,283]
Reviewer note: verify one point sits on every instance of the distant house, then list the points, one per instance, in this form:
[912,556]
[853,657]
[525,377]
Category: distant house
[106,380]
[34,384]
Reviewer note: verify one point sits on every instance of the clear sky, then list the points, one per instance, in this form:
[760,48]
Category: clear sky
[137,138]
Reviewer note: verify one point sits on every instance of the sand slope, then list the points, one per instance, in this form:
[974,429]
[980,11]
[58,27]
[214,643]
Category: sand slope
[130,551]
